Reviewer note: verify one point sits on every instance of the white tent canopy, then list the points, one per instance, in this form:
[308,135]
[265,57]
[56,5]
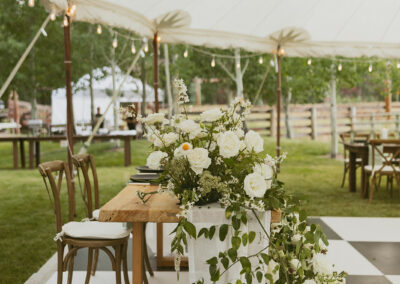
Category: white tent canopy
[320,28]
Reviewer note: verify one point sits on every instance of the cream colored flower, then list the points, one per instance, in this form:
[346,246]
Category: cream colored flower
[295,264]
[154,159]
[170,138]
[239,132]
[321,264]
[183,149]
[211,115]
[255,185]
[296,238]
[265,170]
[154,118]
[229,144]
[190,127]
[254,141]
[198,160]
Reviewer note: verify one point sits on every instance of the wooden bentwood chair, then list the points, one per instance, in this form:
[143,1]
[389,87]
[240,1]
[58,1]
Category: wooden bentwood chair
[77,235]
[382,165]
[83,163]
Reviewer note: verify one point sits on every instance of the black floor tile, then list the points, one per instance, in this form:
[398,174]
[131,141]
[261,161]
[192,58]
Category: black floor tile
[385,256]
[355,279]
[330,234]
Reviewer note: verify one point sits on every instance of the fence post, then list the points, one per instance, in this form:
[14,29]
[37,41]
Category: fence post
[271,122]
[353,114]
[397,125]
[372,125]
[314,132]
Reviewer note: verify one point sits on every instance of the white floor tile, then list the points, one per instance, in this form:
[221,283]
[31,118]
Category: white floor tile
[108,277]
[346,258]
[365,229]
[395,279]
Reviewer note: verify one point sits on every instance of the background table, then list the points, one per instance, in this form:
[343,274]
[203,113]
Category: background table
[161,208]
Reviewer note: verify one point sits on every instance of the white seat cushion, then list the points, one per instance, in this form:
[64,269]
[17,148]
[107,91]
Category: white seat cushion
[96,230]
[386,169]
[96,214]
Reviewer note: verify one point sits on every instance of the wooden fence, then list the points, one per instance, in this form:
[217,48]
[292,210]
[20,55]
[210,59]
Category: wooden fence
[313,120]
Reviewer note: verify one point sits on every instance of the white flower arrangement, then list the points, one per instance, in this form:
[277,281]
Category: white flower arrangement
[213,160]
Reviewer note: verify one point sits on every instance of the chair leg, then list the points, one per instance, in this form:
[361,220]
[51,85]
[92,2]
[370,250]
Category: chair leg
[60,260]
[371,190]
[366,185]
[146,255]
[89,265]
[346,168]
[117,264]
[125,262]
[70,267]
[96,259]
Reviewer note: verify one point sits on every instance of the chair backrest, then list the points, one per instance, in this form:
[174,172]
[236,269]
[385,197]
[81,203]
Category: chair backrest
[346,136]
[52,171]
[380,147]
[90,194]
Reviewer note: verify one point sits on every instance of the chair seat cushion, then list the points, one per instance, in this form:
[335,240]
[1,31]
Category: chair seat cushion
[358,160]
[96,230]
[96,214]
[386,169]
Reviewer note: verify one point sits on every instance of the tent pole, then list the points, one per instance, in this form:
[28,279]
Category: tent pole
[155,69]
[70,114]
[278,103]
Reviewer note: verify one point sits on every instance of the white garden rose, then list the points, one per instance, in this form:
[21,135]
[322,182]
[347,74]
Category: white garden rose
[296,238]
[272,265]
[321,264]
[154,159]
[295,264]
[190,127]
[152,134]
[265,170]
[154,118]
[229,144]
[170,138]
[183,149]
[211,115]
[239,132]
[255,185]
[254,141]
[198,160]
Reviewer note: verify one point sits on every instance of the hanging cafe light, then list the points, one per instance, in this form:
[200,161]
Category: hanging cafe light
[309,61]
[31,3]
[99,29]
[260,60]
[398,65]
[213,61]
[238,65]
[53,15]
[133,48]
[115,42]
[370,68]
[65,21]
[146,45]
[339,68]
[185,53]
[71,10]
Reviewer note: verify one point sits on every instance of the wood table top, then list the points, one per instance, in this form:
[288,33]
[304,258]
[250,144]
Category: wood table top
[126,206]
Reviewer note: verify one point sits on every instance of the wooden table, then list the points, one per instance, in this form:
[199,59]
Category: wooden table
[34,146]
[361,150]
[161,208]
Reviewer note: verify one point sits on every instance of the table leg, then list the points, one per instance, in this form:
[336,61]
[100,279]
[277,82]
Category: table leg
[15,154]
[352,171]
[364,162]
[37,152]
[22,152]
[137,253]
[31,154]
[127,151]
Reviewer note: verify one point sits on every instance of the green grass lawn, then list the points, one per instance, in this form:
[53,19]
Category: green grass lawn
[27,224]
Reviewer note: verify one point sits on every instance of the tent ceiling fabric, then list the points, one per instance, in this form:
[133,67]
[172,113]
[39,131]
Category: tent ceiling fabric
[319,28]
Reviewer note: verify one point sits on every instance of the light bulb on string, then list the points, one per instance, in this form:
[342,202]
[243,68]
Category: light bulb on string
[158,38]
[133,48]
[71,10]
[65,21]
[213,61]
[99,29]
[238,65]
[272,63]
[339,68]
[31,3]
[370,68]
[260,60]
[146,47]
[398,65]
[115,42]
[185,53]
[53,15]
[309,61]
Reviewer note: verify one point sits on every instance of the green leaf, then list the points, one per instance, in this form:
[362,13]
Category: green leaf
[211,232]
[232,253]
[228,213]
[190,229]
[252,236]
[302,215]
[203,231]
[244,219]
[235,242]
[244,239]
[223,231]
[212,261]
[259,276]
[235,223]
[249,278]
[225,262]
[245,262]
[238,281]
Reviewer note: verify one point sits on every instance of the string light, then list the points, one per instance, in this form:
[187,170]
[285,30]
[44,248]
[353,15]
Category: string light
[238,65]
[65,22]
[146,47]
[31,3]
[115,42]
[133,48]
[339,68]
[71,10]
[185,54]
[398,65]
[370,68]
[281,52]
[272,63]
[158,38]
[99,29]
[213,61]
[309,61]
[53,15]
[260,60]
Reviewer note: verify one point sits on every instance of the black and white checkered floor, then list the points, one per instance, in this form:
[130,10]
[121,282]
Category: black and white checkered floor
[368,249]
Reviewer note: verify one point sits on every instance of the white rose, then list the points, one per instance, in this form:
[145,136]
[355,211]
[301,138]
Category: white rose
[152,134]
[211,115]
[296,238]
[183,149]
[154,118]
[265,170]
[198,159]
[295,264]
[254,141]
[229,144]
[190,127]
[154,159]
[211,146]
[170,138]
[272,265]
[321,264]
[255,185]
[239,132]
